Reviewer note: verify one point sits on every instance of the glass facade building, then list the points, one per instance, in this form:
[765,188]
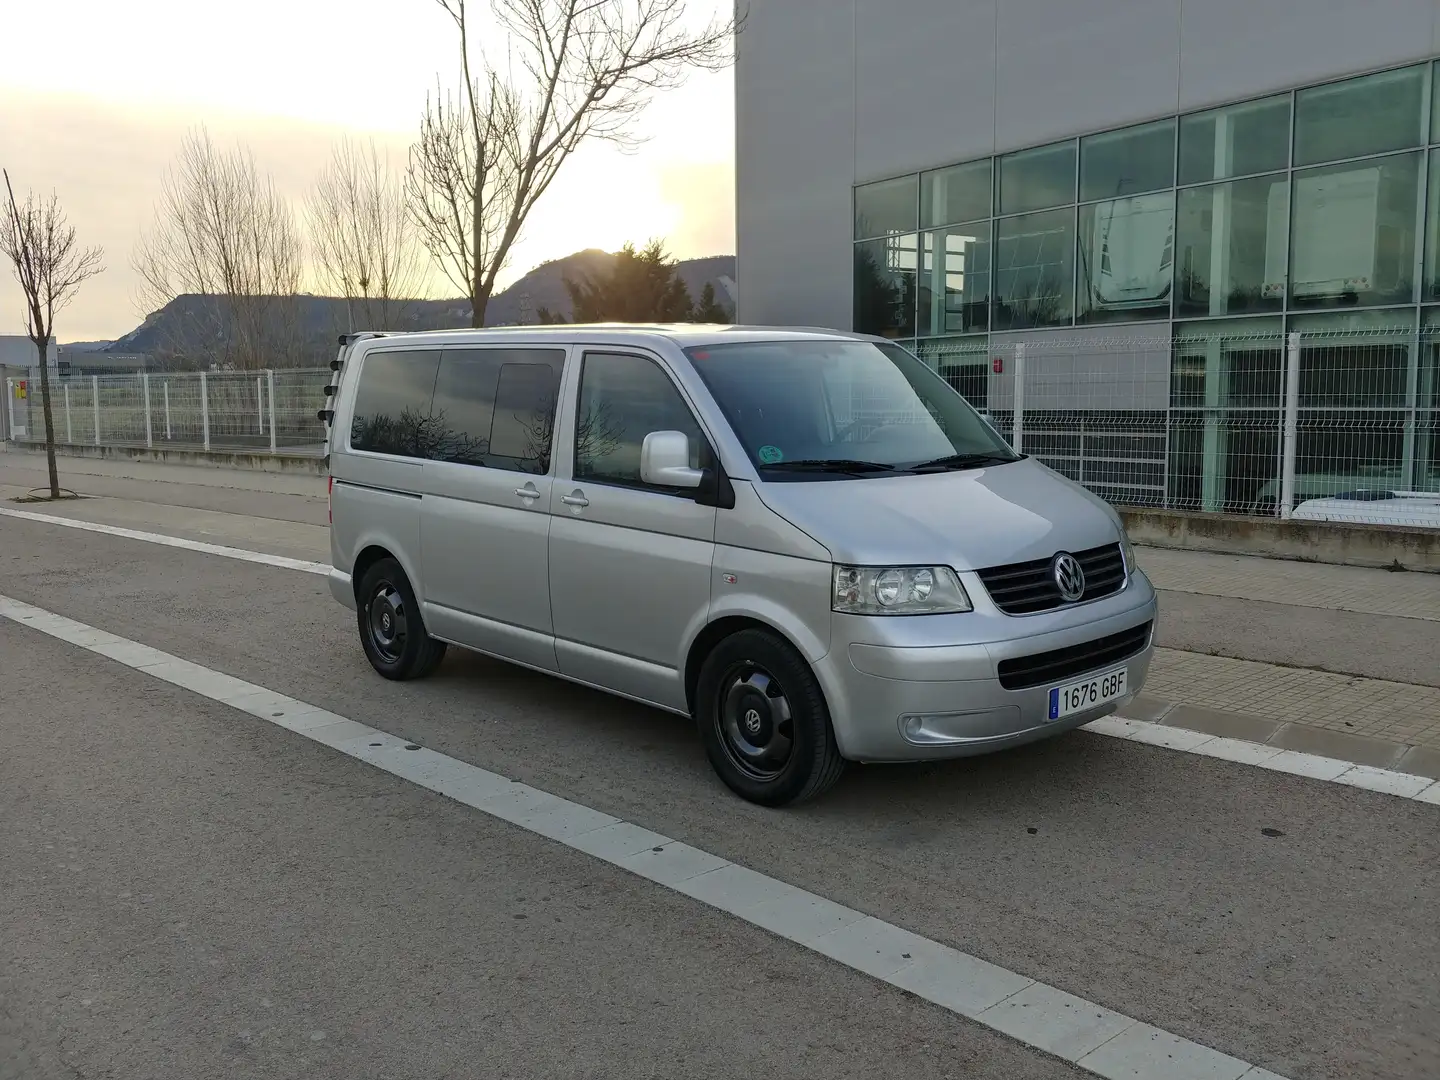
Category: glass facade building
[1314,211]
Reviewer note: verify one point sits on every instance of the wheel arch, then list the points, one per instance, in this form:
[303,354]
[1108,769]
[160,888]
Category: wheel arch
[716,631]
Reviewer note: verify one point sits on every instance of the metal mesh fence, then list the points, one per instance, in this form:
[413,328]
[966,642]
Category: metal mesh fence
[1339,426]
[187,410]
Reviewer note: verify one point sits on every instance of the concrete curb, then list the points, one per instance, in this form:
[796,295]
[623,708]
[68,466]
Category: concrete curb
[1359,749]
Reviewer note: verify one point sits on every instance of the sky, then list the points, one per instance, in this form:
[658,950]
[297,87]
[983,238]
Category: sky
[97,112]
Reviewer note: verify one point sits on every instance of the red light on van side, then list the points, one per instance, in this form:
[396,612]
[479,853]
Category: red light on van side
[330,500]
[700,355]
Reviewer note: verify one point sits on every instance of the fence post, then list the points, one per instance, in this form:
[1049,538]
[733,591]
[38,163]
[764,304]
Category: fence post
[95,405]
[259,405]
[145,389]
[205,409]
[270,385]
[1017,441]
[10,408]
[69,427]
[1291,431]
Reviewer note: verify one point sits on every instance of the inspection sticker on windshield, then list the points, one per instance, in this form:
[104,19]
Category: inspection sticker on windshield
[771,454]
[1087,693]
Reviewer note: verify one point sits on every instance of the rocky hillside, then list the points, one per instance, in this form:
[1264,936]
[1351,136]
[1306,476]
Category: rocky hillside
[179,328]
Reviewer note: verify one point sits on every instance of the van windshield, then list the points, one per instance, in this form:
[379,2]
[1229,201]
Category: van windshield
[841,409]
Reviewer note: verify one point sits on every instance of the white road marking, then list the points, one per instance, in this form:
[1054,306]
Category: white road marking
[1331,770]
[165,540]
[1099,1040]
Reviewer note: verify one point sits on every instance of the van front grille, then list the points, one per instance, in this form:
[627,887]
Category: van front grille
[1029,587]
[1049,668]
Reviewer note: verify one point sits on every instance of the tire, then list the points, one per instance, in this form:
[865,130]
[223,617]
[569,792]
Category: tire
[763,721]
[392,631]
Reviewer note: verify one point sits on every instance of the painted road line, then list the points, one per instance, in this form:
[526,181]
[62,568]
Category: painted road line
[1099,1040]
[1331,770]
[166,540]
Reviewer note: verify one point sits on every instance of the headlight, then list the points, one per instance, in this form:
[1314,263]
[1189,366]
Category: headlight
[898,590]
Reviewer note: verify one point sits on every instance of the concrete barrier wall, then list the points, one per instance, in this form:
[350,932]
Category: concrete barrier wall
[1388,546]
[256,460]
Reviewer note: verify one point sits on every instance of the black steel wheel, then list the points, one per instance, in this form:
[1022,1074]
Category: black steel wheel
[392,631]
[763,720]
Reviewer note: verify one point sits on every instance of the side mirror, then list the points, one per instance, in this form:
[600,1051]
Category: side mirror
[665,461]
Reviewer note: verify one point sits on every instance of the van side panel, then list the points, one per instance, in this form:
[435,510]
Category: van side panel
[375,501]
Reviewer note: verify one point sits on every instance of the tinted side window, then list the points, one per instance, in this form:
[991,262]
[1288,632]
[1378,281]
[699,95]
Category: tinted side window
[623,399]
[392,403]
[496,407]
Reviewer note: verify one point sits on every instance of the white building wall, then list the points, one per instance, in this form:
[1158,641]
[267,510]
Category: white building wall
[19,351]
[830,93]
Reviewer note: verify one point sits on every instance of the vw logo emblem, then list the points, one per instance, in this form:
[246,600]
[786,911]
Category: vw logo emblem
[385,620]
[1069,577]
[752,721]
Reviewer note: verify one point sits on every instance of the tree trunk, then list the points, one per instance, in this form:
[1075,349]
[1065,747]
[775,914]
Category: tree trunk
[49,419]
[478,303]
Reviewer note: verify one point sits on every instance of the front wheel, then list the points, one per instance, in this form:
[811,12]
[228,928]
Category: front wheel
[763,721]
[392,631]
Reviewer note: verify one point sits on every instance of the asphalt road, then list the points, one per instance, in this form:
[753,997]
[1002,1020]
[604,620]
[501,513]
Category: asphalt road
[262,869]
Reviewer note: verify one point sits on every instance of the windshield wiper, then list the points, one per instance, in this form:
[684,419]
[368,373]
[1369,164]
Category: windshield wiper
[963,461]
[830,465]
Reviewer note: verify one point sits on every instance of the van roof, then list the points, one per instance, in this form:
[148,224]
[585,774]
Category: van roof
[683,334]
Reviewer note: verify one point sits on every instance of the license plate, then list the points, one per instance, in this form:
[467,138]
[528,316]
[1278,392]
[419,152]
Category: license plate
[1087,693]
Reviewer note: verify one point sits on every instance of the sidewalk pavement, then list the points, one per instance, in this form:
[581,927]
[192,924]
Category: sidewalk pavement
[1366,720]
[1369,720]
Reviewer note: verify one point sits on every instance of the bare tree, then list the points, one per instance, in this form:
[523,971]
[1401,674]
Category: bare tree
[39,241]
[223,235]
[362,238]
[590,67]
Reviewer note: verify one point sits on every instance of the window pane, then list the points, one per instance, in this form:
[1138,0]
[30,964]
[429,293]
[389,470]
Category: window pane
[958,194]
[1127,247]
[1129,162]
[1237,363]
[525,415]
[1430,289]
[955,280]
[1035,179]
[623,399]
[1232,241]
[1034,270]
[885,208]
[392,404]
[495,408]
[1236,141]
[1356,359]
[1369,115]
[1353,233]
[1225,461]
[885,282]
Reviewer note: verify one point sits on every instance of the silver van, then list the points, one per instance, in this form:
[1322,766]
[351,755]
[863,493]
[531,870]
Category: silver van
[805,540]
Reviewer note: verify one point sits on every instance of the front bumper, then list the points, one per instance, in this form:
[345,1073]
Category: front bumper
[955,690]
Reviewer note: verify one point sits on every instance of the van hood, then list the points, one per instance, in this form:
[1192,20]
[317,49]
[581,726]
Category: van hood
[968,520]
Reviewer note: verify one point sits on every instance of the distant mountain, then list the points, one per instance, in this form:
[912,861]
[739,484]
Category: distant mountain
[176,330]
[86,346]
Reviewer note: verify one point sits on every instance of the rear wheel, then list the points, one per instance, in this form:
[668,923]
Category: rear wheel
[763,720]
[392,630]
